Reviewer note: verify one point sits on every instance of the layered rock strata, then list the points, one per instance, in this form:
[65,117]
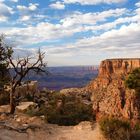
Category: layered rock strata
[110,96]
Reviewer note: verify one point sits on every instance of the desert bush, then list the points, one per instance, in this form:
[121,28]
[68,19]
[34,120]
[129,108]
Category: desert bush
[64,110]
[70,113]
[29,97]
[133,80]
[36,111]
[135,132]
[68,110]
[114,129]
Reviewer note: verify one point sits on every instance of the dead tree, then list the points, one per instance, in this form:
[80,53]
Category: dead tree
[21,67]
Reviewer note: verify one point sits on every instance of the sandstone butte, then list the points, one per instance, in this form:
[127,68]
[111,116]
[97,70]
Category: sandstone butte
[109,94]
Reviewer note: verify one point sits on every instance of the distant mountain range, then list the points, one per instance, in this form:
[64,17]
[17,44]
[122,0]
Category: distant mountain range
[65,77]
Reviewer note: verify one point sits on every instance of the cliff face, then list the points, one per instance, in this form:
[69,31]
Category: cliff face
[110,96]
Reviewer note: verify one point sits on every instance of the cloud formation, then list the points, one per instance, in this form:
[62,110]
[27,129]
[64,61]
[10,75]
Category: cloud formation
[5,11]
[93,2]
[82,34]
[31,7]
[58,5]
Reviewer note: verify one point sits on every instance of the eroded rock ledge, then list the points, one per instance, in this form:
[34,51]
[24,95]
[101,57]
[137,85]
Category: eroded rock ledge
[110,96]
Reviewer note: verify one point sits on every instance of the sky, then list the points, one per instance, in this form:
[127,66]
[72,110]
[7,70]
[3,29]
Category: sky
[72,32]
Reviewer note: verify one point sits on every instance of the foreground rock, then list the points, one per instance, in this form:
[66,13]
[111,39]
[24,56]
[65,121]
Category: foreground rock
[4,108]
[110,96]
[52,132]
[22,127]
[24,106]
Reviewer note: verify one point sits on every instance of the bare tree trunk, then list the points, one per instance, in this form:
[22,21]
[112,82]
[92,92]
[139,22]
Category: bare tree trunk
[12,103]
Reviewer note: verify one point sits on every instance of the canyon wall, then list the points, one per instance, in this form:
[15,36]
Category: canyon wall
[109,94]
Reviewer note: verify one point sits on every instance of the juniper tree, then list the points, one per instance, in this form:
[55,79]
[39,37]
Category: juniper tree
[4,53]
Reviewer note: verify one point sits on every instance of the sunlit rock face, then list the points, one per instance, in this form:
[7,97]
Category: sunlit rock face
[110,96]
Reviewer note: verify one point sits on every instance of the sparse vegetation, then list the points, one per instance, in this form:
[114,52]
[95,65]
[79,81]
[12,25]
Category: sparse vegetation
[114,129]
[133,80]
[135,134]
[70,113]
[64,110]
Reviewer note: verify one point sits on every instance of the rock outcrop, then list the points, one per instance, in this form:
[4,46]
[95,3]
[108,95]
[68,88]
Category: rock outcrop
[110,96]
[24,106]
[24,89]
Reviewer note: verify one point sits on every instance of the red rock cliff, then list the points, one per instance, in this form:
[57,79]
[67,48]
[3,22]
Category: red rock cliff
[118,66]
[110,96]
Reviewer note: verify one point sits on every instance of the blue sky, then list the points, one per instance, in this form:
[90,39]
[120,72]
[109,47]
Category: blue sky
[73,32]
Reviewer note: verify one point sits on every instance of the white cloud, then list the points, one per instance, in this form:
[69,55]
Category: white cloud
[93,2]
[137,4]
[5,12]
[121,38]
[28,13]
[41,32]
[25,18]
[9,0]
[58,5]
[31,7]
[110,25]
[21,7]
[91,18]
[3,18]
[68,26]
[116,38]
[14,0]
[123,42]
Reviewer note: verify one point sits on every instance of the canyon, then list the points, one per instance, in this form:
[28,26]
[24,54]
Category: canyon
[108,94]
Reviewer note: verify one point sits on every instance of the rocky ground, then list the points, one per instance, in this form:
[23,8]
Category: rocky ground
[52,132]
[23,127]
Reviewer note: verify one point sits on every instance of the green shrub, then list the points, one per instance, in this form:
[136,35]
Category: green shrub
[133,80]
[29,97]
[70,113]
[63,110]
[114,129]
[36,111]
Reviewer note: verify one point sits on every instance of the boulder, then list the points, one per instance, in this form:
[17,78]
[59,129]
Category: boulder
[25,119]
[24,106]
[3,117]
[5,108]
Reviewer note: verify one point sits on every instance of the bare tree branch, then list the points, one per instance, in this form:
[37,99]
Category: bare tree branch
[22,67]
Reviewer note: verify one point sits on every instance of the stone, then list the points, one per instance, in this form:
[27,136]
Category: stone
[4,108]
[23,106]
[3,117]
[83,126]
